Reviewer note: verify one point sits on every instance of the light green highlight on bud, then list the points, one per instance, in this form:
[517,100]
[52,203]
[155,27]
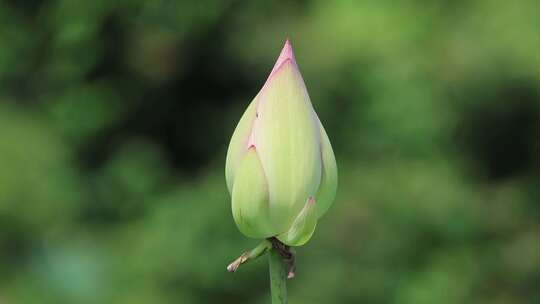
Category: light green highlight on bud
[287,137]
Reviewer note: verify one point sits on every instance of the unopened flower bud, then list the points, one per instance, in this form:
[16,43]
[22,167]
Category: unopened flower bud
[281,171]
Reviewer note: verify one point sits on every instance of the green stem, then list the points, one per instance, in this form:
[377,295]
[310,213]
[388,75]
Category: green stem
[278,277]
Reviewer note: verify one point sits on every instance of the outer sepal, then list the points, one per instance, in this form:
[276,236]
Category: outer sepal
[250,197]
[329,176]
[303,226]
[239,143]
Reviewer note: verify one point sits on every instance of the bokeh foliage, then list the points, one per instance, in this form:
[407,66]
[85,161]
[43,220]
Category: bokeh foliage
[115,117]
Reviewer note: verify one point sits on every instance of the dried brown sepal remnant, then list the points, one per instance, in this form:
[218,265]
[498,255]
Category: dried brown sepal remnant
[287,254]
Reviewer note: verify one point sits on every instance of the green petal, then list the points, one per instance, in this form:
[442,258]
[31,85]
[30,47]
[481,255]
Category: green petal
[250,198]
[329,178]
[303,226]
[238,145]
[286,135]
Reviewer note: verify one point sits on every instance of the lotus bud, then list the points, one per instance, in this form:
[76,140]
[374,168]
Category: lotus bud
[280,170]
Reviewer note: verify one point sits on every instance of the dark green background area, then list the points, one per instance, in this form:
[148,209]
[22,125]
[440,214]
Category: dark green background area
[115,118]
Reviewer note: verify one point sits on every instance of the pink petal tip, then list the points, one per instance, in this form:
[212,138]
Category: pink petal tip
[286,54]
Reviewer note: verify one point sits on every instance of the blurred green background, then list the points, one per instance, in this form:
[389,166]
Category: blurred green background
[115,118]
